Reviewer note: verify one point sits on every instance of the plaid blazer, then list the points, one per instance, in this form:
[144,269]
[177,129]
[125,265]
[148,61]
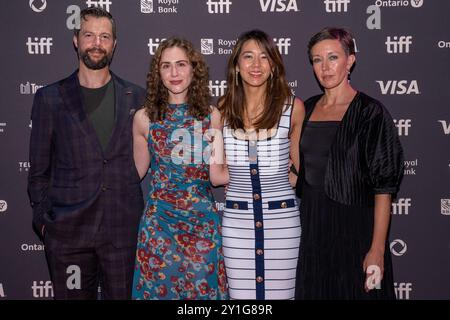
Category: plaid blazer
[74,187]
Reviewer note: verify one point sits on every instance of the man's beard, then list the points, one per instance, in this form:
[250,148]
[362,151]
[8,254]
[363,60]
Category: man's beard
[100,64]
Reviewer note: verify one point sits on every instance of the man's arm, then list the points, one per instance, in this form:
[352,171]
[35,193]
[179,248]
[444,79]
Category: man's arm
[40,160]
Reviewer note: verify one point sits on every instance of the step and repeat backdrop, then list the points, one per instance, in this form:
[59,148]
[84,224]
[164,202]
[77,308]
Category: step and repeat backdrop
[403,60]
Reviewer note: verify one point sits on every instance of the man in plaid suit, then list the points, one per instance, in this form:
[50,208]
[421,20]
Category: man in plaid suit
[83,185]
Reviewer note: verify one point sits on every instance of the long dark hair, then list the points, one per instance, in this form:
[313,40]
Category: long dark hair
[232,103]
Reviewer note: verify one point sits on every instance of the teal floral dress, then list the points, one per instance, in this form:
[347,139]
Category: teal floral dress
[179,250]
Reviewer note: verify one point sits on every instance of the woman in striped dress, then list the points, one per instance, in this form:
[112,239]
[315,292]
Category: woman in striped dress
[261,123]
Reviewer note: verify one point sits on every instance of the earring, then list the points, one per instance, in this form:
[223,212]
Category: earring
[237,78]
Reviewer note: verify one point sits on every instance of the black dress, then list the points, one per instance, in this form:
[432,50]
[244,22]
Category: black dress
[335,236]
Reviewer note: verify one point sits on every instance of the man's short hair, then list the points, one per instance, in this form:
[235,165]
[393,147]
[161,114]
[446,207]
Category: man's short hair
[97,13]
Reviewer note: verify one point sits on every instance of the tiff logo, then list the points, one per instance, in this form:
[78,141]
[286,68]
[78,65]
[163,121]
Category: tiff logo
[3,205]
[43,290]
[218,88]
[402,290]
[401,206]
[283,45]
[39,45]
[153,44]
[398,87]
[29,88]
[218,6]
[104,4]
[278,5]
[445,207]
[398,44]
[445,126]
[336,5]
[403,126]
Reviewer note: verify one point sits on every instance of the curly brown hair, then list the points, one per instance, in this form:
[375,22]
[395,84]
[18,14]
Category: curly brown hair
[232,103]
[198,94]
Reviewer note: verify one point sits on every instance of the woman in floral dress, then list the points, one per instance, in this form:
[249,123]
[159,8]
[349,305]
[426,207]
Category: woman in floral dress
[179,249]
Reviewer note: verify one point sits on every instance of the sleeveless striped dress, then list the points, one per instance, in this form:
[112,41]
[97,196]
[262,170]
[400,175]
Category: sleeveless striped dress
[261,222]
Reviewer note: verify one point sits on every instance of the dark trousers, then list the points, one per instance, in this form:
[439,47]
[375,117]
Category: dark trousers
[76,272]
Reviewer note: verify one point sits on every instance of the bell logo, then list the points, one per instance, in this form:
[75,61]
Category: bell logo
[398,87]
[2,291]
[278,5]
[38,6]
[402,290]
[445,126]
[398,247]
[42,290]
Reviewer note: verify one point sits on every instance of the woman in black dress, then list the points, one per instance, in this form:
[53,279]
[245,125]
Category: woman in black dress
[351,168]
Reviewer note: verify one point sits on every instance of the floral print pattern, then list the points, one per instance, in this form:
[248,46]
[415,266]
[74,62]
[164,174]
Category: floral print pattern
[179,250]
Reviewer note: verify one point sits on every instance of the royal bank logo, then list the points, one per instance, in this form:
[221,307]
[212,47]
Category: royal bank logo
[398,247]
[38,5]
[207,46]
[218,6]
[403,126]
[278,5]
[399,87]
[3,206]
[39,45]
[283,45]
[153,44]
[398,44]
[445,126]
[2,127]
[445,207]
[24,166]
[399,3]
[29,88]
[336,5]
[401,206]
[217,88]
[402,290]
[104,4]
[159,6]
[410,167]
[42,290]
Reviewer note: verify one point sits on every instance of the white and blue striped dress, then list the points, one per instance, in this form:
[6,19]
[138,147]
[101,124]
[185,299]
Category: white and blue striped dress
[261,222]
